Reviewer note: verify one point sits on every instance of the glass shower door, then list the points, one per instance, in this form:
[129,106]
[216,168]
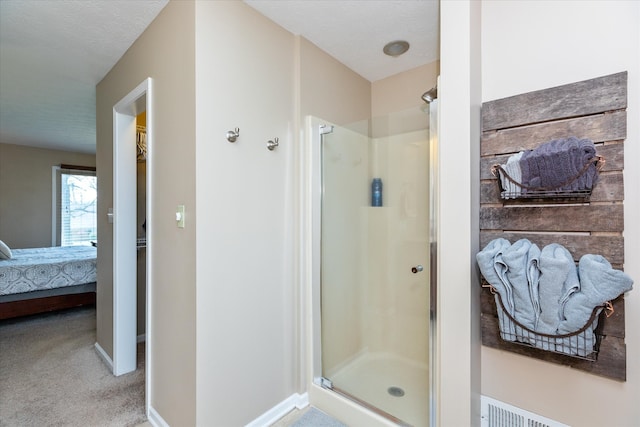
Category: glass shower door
[375,270]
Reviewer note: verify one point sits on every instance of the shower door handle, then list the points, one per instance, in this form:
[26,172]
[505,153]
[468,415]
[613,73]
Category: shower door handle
[417,269]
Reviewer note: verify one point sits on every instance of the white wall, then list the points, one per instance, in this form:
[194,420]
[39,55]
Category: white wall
[245,304]
[530,45]
[458,98]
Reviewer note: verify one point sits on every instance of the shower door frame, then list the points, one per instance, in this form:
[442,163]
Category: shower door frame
[311,245]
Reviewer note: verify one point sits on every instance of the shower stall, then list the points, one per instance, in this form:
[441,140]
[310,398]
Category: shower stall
[373,256]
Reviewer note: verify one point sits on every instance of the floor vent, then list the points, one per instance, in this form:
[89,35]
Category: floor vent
[500,414]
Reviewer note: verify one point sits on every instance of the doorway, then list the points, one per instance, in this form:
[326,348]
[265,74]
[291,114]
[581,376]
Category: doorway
[126,240]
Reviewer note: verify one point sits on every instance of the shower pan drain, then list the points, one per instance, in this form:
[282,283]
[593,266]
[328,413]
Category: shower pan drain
[395,391]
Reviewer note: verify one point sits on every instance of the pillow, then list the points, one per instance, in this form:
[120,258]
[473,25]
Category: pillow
[5,252]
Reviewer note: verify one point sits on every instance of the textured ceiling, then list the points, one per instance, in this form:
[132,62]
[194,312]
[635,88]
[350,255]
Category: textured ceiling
[53,53]
[355,31]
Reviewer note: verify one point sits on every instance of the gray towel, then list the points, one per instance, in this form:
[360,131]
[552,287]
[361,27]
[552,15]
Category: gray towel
[556,162]
[599,283]
[558,277]
[494,270]
[587,153]
[516,258]
[575,154]
[529,169]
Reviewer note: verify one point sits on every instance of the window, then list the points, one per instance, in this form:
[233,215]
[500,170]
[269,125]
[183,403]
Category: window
[75,214]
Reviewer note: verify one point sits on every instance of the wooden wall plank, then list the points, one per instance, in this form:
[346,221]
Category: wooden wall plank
[607,93]
[610,247]
[608,218]
[614,156]
[598,128]
[611,361]
[614,325]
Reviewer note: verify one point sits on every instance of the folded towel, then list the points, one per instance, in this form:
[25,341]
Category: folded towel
[581,344]
[558,276]
[512,168]
[494,270]
[599,283]
[575,154]
[553,164]
[528,169]
[590,177]
[516,259]
[533,278]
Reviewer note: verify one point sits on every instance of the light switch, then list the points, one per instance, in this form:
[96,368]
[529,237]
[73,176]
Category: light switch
[180,216]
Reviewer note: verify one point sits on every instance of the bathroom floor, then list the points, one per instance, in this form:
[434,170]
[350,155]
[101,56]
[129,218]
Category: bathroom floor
[397,386]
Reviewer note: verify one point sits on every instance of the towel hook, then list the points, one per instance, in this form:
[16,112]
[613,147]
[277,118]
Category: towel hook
[272,144]
[232,135]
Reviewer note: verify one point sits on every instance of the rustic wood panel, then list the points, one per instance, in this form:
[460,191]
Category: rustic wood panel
[598,128]
[607,218]
[593,109]
[610,247]
[611,361]
[608,93]
[613,154]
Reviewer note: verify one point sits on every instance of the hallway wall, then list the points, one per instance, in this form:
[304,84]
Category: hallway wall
[166,53]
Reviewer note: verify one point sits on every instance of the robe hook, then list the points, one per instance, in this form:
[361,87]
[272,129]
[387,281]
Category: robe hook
[232,135]
[272,144]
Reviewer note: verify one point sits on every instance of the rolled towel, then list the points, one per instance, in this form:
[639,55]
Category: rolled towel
[529,169]
[574,147]
[579,344]
[553,164]
[599,283]
[516,259]
[512,168]
[494,271]
[558,276]
[587,154]
[533,278]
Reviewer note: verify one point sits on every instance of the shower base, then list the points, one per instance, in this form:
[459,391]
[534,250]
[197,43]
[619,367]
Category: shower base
[392,384]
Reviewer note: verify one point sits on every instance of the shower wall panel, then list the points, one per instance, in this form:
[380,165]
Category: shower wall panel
[396,299]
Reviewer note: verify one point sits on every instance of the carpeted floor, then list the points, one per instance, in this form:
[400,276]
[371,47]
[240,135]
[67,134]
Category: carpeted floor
[51,374]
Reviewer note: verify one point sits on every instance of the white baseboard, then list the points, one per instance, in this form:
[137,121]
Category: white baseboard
[296,400]
[155,419]
[104,356]
[141,338]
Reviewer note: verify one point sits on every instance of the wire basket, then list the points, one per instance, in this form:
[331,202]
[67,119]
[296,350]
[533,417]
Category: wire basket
[583,343]
[559,192]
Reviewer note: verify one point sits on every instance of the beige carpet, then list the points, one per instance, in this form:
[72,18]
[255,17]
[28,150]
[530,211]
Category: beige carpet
[51,375]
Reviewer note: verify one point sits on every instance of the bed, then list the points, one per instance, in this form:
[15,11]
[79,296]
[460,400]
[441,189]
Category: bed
[45,279]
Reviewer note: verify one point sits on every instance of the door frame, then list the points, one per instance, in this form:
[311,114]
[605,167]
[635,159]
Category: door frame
[124,231]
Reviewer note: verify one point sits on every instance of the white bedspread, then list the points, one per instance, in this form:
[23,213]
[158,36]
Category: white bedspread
[47,268]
